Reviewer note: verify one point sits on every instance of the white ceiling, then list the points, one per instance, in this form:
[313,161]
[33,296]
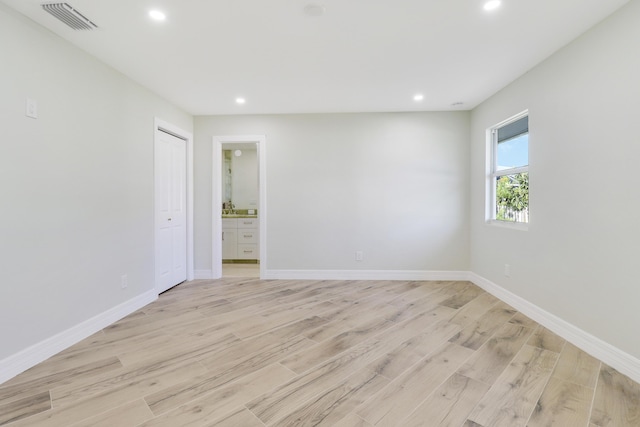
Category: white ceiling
[360,56]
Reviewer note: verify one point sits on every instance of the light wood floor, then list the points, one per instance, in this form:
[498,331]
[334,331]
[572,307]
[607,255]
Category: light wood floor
[241,270]
[245,352]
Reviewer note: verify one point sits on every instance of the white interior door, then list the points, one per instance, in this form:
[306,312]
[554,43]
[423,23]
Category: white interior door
[170,200]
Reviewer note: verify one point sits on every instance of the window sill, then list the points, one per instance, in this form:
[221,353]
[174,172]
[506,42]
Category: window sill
[520,226]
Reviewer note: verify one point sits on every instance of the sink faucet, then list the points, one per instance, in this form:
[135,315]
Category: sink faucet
[228,208]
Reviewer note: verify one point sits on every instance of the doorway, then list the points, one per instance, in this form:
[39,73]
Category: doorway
[241,220]
[173,201]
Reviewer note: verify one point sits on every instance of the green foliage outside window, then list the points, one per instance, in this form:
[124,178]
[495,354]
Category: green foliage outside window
[512,196]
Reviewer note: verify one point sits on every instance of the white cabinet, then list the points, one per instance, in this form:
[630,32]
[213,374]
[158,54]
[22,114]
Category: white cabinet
[240,237]
[248,223]
[248,252]
[229,238]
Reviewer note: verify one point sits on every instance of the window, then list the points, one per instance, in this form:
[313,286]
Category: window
[508,183]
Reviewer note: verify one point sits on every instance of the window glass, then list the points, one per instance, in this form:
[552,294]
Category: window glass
[513,153]
[512,197]
[508,184]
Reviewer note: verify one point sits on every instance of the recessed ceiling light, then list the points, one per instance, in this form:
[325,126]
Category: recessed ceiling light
[240,100]
[157,15]
[418,97]
[492,4]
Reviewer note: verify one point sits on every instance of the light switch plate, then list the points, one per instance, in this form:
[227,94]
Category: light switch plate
[32,108]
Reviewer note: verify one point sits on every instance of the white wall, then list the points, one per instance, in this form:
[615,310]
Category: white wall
[394,186]
[578,258]
[76,185]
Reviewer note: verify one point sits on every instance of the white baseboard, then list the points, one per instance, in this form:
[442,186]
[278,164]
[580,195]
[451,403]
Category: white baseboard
[31,356]
[203,274]
[601,350]
[365,275]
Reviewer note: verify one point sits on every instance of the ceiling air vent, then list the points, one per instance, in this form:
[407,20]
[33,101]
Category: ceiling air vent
[69,15]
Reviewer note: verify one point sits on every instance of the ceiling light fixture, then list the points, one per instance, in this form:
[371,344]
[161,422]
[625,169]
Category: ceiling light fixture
[237,153]
[419,97]
[240,100]
[492,5]
[157,15]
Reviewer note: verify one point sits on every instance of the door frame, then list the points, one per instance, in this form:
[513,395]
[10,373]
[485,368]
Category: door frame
[161,125]
[216,220]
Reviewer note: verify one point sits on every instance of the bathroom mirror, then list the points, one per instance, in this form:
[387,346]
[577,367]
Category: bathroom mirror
[240,176]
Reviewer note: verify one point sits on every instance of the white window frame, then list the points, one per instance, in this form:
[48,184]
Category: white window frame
[493,174]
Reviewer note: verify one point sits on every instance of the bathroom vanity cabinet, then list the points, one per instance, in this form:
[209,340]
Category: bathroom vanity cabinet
[240,237]
[229,238]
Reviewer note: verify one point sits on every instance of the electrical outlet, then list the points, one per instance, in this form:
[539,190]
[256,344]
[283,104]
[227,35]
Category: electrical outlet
[507,270]
[124,281]
[359,256]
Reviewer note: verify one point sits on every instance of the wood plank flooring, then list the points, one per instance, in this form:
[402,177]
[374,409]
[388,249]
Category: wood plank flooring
[242,352]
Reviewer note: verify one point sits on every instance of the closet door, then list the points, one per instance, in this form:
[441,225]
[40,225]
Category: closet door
[170,205]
